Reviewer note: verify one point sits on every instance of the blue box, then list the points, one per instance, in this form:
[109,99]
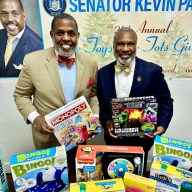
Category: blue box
[40,170]
[173,151]
[3,178]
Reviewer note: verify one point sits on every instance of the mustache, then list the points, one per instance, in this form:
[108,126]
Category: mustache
[11,22]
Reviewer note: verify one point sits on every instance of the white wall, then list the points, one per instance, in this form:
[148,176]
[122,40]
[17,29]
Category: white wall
[15,135]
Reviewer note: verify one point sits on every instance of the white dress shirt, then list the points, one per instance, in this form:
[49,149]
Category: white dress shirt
[123,81]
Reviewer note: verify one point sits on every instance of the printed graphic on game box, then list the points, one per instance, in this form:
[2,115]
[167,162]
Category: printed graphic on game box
[73,123]
[134,116]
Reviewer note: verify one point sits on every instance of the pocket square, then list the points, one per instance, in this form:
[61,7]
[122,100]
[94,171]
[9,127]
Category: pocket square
[90,82]
[18,67]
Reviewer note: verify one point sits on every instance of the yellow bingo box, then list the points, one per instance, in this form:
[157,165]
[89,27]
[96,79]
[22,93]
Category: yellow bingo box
[137,183]
[111,185]
[172,178]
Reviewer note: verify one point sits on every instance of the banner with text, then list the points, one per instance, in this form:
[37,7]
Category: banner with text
[163,28]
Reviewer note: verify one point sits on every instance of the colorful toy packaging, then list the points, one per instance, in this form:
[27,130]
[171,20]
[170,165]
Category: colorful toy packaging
[171,178]
[3,177]
[135,183]
[95,161]
[173,151]
[73,123]
[112,185]
[40,170]
[133,116]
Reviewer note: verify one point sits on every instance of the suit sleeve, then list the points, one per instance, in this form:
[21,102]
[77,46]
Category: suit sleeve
[94,104]
[165,102]
[104,104]
[24,90]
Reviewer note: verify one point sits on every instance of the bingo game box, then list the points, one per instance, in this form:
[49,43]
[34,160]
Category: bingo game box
[40,170]
[112,185]
[173,151]
[171,178]
[134,116]
[73,123]
[95,161]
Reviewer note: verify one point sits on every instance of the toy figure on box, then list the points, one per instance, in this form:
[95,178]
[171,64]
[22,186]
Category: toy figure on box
[130,76]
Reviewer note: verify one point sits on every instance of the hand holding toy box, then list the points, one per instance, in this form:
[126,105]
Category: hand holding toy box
[135,183]
[134,116]
[40,170]
[112,185]
[3,177]
[73,123]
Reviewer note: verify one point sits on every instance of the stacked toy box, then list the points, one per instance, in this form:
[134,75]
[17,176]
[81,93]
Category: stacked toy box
[133,116]
[172,164]
[3,178]
[111,185]
[95,161]
[73,123]
[171,178]
[40,170]
[136,183]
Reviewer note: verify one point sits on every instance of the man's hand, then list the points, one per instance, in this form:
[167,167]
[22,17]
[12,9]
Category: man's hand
[160,131]
[42,125]
[109,125]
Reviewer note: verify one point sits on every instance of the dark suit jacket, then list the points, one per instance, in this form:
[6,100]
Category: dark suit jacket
[148,80]
[29,42]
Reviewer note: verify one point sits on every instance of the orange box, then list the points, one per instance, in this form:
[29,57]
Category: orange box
[95,161]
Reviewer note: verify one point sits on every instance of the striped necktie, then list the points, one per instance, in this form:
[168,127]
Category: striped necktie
[9,49]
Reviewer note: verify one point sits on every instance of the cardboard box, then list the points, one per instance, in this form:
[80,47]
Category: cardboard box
[134,116]
[94,161]
[137,183]
[112,185]
[173,151]
[73,123]
[40,170]
[3,177]
[173,178]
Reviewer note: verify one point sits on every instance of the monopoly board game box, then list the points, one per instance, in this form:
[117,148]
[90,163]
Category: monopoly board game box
[73,123]
[112,185]
[3,177]
[93,162]
[40,170]
[137,183]
[173,151]
[170,178]
[134,116]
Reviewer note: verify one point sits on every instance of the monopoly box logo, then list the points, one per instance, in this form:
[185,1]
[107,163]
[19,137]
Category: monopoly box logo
[40,170]
[171,178]
[99,186]
[95,161]
[73,123]
[134,116]
[173,151]
[3,177]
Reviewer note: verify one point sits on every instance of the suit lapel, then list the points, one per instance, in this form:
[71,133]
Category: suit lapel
[3,44]
[110,79]
[79,72]
[20,48]
[52,68]
[137,79]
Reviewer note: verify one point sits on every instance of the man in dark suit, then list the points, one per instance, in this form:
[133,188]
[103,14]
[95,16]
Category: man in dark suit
[13,17]
[130,76]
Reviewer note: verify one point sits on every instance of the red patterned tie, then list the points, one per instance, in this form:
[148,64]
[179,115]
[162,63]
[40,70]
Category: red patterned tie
[69,61]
